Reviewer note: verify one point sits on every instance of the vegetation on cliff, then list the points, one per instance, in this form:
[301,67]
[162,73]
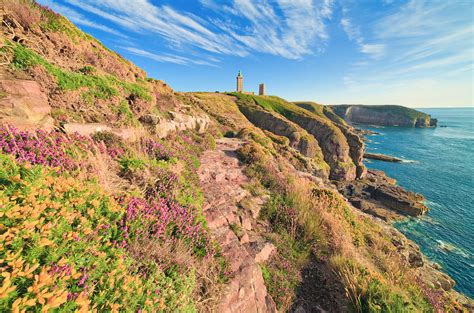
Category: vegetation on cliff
[107,221]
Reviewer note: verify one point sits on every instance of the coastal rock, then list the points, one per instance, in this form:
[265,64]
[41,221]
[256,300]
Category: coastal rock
[381,157]
[401,200]
[378,195]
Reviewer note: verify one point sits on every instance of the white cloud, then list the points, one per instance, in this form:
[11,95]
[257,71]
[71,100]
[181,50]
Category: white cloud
[78,18]
[297,30]
[375,51]
[426,54]
[167,57]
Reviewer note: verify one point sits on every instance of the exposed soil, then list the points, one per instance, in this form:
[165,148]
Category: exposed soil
[320,291]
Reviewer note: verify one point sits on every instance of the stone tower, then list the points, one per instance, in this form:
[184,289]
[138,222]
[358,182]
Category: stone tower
[261,90]
[240,82]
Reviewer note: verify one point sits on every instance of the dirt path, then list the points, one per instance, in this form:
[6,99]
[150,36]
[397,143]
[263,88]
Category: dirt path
[231,214]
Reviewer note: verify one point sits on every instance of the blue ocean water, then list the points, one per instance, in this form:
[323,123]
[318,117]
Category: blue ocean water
[439,163]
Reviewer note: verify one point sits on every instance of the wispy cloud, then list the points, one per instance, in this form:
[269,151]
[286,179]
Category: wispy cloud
[419,41]
[353,32]
[297,30]
[79,19]
[286,28]
[168,57]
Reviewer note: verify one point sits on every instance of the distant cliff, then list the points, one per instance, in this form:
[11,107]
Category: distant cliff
[384,115]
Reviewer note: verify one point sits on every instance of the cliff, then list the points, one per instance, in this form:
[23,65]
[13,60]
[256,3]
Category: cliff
[119,194]
[384,115]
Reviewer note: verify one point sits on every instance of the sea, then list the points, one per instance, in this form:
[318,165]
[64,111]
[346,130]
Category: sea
[439,164]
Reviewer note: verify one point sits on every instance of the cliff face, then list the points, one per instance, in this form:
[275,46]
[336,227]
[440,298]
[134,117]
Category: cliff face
[384,115]
[341,148]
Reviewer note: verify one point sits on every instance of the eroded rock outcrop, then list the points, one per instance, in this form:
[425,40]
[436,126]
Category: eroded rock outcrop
[298,138]
[24,105]
[378,195]
[334,145]
[162,127]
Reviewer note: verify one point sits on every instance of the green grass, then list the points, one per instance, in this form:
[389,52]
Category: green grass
[99,86]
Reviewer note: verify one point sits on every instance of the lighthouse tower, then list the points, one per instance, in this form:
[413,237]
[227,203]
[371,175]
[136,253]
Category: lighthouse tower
[240,82]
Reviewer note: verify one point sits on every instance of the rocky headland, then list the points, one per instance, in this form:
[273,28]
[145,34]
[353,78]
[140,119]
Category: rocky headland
[384,115]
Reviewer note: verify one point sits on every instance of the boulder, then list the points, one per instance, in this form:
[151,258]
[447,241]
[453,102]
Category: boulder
[24,105]
[87,129]
[162,127]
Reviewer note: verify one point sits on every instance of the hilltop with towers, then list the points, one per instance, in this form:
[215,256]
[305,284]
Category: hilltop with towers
[240,86]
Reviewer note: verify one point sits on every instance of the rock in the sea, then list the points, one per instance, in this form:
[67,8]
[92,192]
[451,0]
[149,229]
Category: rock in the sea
[381,157]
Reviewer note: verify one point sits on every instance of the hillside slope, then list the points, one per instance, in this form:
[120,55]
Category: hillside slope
[119,194]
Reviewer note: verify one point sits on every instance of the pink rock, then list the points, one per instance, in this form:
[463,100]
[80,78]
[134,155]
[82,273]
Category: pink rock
[246,224]
[265,253]
[245,239]
[24,105]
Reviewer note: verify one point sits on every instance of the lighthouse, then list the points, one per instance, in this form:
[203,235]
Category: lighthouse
[240,82]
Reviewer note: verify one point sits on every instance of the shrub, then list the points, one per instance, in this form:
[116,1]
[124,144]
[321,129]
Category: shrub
[156,150]
[23,11]
[130,165]
[44,148]
[110,143]
[61,248]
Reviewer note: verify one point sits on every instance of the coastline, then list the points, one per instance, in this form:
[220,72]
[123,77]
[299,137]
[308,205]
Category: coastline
[429,270]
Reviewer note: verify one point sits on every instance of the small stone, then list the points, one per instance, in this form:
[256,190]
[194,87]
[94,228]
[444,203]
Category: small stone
[265,253]
[245,239]
[246,224]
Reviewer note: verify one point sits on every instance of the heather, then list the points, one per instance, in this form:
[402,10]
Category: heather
[70,245]
[312,227]
[44,148]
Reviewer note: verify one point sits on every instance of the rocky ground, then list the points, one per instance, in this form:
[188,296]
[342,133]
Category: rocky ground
[379,196]
[231,214]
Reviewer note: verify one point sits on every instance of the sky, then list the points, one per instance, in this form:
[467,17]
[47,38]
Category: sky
[410,52]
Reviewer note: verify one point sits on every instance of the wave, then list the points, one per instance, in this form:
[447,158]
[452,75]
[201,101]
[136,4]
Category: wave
[409,161]
[451,248]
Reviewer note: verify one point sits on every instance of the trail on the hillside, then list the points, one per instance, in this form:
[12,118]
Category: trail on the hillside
[233,227]
[232,216]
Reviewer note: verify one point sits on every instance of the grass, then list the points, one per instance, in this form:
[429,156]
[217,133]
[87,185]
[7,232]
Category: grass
[99,86]
[309,222]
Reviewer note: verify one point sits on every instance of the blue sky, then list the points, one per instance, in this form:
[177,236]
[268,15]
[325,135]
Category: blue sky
[412,52]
